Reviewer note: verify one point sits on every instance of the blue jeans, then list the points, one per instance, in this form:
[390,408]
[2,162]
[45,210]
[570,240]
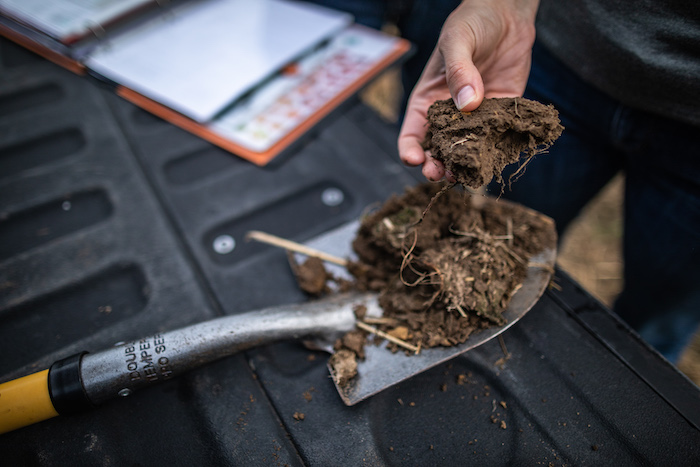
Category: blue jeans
[661,161]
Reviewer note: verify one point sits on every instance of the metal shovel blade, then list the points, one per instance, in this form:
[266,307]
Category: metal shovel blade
[381,368]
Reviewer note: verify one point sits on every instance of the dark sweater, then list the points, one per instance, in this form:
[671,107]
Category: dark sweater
[644,53]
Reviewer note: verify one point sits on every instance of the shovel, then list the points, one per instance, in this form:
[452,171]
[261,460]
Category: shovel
[86,380]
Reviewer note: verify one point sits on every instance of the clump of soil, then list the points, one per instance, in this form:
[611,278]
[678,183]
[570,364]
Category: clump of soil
[344,364]
[354,341]
[453,272]
[476,146]
[314,279]
[311,275]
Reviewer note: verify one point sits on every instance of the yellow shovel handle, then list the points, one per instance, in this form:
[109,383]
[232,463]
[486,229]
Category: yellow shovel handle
[25,401]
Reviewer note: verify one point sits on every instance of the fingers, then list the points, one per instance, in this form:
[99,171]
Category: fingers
[430,87]
[410,137]
[463,78]
[410,152]
[499,40]
[449,72]
[433,169]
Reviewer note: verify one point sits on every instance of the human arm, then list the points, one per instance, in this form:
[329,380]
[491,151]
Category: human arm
[484,50]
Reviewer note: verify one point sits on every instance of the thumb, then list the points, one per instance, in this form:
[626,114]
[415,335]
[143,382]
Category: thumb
[463,78]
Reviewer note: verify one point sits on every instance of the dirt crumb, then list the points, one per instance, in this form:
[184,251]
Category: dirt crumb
[307,394]
[353,341]
[400,332]
[476,146]
[299,416]
[360,312]
[344,365]
[311,276]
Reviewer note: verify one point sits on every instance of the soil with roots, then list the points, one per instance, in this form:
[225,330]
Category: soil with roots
[441,274]
[446,263]
[444,273]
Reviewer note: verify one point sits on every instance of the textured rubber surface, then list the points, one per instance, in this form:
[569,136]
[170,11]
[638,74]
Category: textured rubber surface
[115,225]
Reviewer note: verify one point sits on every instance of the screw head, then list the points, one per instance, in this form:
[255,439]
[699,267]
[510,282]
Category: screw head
[224,244]
[332,197]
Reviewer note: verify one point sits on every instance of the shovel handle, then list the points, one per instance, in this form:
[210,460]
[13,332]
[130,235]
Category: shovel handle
[83,381]
[25,401]
[43,395]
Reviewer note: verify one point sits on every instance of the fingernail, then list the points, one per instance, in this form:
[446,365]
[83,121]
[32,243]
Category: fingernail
[465,96]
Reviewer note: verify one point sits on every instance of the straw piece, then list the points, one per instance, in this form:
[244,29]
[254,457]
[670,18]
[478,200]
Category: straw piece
[293,246]
[388,337]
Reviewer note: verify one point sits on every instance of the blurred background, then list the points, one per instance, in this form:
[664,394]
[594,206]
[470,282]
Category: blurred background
[591,249]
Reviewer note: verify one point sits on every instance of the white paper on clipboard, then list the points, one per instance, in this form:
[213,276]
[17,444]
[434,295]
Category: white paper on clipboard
[205,55]
[286,101]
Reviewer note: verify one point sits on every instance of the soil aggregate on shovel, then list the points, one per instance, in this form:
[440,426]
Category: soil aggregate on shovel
[442,278]
[446,263]
[476,146]
[453,272]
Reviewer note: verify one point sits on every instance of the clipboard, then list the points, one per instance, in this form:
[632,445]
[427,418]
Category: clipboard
[285,95]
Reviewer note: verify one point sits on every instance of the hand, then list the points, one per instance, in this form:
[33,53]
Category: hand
[484,50]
